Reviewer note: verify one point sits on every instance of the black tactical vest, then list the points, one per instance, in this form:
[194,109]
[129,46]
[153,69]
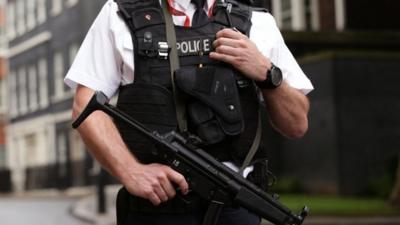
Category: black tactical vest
[221,104]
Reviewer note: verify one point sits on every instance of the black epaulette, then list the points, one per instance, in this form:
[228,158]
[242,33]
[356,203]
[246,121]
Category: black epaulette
[135,12]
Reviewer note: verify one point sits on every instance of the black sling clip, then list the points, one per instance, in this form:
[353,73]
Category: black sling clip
[228,15]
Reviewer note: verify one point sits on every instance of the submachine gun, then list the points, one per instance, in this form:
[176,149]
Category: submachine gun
[206,176]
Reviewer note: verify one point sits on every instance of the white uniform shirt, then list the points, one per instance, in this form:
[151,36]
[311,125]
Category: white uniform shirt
[105,58]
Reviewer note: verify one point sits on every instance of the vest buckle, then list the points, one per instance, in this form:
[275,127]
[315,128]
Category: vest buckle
[163,50]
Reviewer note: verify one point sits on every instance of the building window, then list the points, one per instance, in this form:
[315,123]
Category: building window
[32,154]
[308,15]
[295,14]
[43,85]
[77,146]
[314,15]
[340,11]
[286,12]
[12,78]
[21,17]
[22,87]
[77,158]
[31,17]
[3,37]
[73,50]
[33,99]
[57,6]
[71,3]
[3,160]
[3,92]
[11,31]
[41,11]
[62,155]
[1,95]
[58,75]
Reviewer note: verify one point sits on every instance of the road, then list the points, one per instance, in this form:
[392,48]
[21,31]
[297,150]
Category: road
[37,211]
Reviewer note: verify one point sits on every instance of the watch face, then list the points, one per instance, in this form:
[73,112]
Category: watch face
[276,76]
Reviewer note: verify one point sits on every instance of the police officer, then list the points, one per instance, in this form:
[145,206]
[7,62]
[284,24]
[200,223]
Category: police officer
[106,62]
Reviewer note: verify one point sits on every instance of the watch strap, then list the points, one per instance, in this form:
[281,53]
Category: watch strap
[267,83]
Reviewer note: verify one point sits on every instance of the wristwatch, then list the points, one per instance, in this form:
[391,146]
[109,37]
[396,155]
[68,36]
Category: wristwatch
[274,78]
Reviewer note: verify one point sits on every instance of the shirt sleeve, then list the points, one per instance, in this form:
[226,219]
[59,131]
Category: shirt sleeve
[268,38]
[97,64]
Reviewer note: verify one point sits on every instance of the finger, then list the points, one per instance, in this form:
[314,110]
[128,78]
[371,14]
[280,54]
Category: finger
[154,199]
[226,41]
[222,57]
[169,189]
[228,50]
[161,193]
[178,179]
[229,33]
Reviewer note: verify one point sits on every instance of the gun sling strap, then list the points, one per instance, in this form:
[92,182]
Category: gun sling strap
[214,209]
[174,66]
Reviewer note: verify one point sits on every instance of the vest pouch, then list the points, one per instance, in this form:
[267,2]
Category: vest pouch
[215,87]
[203,120]
[153,106]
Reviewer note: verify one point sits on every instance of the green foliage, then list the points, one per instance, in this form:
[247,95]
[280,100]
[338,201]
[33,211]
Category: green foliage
[381,187]
[287,185]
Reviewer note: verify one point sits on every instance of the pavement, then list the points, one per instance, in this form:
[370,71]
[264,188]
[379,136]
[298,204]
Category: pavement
[85,209]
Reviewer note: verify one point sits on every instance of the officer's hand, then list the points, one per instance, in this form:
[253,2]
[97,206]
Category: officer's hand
[238,50]
[154,182]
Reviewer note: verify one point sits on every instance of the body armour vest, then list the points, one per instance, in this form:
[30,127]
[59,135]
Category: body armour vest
[222,106]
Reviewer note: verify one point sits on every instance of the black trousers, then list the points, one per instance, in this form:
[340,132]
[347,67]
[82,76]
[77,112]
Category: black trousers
[229,216]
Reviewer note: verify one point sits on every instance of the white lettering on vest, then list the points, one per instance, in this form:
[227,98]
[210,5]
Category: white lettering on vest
[206,45]
[193,47]
[184,47]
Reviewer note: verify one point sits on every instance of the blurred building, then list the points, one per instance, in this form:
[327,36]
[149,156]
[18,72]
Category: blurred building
[43,38]
[4,171]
